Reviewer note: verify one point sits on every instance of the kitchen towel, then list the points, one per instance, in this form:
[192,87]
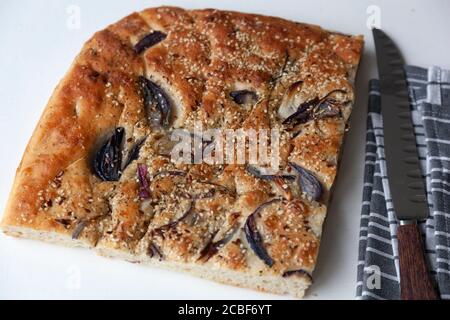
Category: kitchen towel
[378,264]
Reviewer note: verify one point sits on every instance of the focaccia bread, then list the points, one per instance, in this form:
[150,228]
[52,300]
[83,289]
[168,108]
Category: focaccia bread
[97,171]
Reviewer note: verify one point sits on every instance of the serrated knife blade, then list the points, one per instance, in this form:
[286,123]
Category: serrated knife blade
[406,183]
[405,176]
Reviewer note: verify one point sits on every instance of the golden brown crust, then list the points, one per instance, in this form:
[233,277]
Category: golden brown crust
[206,55]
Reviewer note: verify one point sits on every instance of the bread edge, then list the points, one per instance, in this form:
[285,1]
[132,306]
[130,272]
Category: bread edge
[293,286]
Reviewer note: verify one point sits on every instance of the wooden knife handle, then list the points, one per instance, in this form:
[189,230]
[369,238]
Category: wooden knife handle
[415,281]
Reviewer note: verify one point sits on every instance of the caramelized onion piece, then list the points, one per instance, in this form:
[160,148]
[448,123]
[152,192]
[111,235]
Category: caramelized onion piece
[257,173]
[64,222]
[142,171]
[107,162]
[244,97]
[328,107]
[156,101]
[149,41]
[290,103]
[298,272]
[172,224]
[83,223]
[154,251]
[308,182]
[303,113]
[78,229]
[253,236]
[316,108]
[214,246]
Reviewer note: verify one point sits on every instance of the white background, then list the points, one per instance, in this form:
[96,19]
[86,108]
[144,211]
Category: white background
[36,49]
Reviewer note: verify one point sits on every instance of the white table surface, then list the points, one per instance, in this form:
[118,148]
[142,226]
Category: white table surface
[36,49]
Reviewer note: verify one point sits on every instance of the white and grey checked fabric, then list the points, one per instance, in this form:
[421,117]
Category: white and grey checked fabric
[378,250]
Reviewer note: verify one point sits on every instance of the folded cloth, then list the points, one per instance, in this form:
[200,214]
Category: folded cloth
[378,264]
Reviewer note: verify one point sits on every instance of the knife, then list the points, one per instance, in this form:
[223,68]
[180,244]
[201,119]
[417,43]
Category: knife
[405,176]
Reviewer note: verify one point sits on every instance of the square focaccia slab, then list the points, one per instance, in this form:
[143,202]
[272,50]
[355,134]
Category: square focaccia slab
[97,171]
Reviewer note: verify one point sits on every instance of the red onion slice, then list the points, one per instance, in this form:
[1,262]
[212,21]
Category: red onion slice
[149,41]
[144,186]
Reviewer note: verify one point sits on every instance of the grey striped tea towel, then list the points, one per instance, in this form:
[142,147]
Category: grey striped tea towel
[378,265]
